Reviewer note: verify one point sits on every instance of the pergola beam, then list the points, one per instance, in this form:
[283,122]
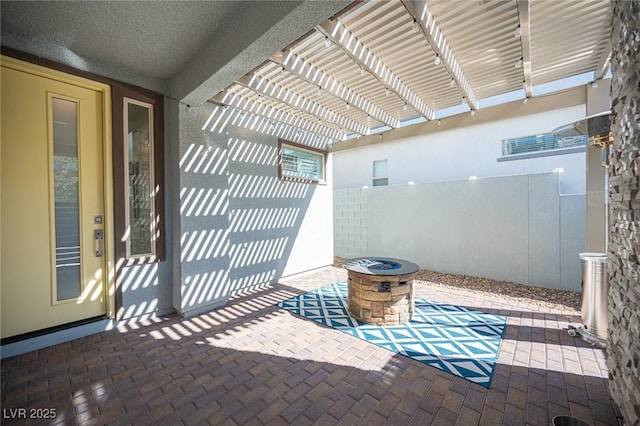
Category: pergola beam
[603,62]
[524,17]
[275,91]
[261,109]
[366,59]
[434,36]
[309,73]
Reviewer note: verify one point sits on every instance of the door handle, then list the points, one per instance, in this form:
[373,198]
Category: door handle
[98,236]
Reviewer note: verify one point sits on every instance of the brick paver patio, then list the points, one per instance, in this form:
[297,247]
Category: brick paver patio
[252,363]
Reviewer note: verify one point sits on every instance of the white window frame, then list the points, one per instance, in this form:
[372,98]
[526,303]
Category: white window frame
[303,149]
[152,179]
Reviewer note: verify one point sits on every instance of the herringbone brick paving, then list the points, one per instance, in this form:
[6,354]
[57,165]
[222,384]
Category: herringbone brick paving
[251,363]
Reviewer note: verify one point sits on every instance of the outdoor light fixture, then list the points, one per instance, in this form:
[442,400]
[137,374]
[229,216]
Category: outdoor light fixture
[594,84]
[439,122]
[386,91]
[519,63]
[361,70]
[414,26]
[327,42]
[348,106]
[525,100]
[473,112]
[404,108]
[437,61]
[452,83]
[464,100]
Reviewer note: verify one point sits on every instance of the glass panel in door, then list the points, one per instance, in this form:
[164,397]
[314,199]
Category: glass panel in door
[66,199]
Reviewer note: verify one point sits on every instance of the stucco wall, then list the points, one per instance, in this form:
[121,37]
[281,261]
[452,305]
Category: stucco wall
[236,224]
[146,291]
[277,227]
[516,228]
[200,214]
[458,153]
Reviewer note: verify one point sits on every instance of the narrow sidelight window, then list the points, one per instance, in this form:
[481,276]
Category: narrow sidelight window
[139,178]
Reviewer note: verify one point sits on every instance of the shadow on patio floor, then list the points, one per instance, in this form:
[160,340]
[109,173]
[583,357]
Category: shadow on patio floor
[252,363]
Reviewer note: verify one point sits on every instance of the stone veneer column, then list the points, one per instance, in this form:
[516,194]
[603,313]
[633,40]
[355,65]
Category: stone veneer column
[624,212]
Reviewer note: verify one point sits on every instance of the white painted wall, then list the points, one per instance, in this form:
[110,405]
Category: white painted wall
[454,154]
[313,244]
[236,223]
[277,228]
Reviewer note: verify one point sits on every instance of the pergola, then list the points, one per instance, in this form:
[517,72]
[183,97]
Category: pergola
[377,66]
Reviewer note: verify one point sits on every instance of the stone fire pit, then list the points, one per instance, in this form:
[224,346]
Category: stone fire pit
[381,290]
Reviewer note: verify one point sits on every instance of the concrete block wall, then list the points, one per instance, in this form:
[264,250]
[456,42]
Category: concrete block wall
[516,228]
[350,222]
[624,213]
[572,238]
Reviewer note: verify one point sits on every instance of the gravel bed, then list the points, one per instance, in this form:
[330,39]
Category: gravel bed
[544,297]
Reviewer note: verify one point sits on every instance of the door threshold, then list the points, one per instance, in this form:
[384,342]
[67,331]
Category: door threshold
[27,342]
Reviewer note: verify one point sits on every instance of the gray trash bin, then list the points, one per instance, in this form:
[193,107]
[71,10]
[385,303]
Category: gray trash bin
[595,288]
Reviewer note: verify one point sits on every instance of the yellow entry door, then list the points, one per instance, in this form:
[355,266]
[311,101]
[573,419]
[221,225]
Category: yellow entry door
[52,266]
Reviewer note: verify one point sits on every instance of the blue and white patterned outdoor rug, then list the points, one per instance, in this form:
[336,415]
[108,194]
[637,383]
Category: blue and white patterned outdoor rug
[452,338]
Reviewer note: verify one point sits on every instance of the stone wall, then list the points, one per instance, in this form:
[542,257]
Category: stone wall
[624,219]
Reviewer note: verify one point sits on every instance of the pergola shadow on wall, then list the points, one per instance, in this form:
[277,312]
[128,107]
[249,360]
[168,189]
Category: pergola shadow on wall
[241,224]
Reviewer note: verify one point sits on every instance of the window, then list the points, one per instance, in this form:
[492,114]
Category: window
[139,177]
[543,142]
[297,162]
[138,169]
[380,173]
